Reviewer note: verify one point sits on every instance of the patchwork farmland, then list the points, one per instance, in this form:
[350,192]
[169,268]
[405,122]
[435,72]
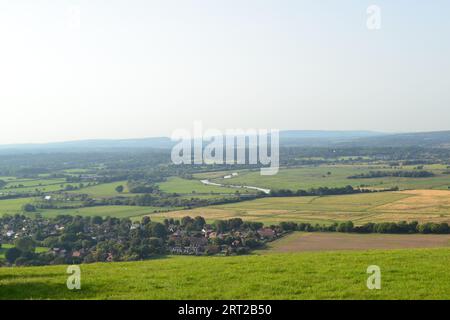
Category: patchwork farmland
[419,205]
[307,177]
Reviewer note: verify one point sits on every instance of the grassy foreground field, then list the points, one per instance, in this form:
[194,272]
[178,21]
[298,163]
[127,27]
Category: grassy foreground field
[406,274]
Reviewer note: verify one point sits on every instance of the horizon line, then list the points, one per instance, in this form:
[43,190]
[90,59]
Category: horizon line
[22,144]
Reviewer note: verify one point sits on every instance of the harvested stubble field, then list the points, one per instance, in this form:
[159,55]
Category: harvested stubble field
[420,205]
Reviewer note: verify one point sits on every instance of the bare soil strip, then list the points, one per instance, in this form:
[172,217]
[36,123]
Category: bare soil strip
[300,241]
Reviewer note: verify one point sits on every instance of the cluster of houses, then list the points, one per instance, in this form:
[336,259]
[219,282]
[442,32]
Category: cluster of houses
[75,255]
[84,236]
[9,233]
[209,241]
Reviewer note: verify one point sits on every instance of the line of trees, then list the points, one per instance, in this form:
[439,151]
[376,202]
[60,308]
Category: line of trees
[402,227]
[324,191]
[401,174]
[156,200]
[142,200]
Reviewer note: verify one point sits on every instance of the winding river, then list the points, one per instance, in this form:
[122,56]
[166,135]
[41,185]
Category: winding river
[209,183]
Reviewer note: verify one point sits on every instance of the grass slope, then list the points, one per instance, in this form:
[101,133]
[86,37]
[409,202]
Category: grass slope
[406,274]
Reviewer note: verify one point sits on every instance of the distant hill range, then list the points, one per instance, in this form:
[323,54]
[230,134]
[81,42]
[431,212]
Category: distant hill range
[437,139]
[293,138]
[317,138]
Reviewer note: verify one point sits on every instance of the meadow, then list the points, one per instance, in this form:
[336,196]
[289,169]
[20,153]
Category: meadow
[43,184]
[406,274]
[420,205]
[14,206]
[104,190]
[33,182]
[104,211]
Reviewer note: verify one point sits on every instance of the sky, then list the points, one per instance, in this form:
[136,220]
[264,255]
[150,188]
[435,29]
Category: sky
[91,69]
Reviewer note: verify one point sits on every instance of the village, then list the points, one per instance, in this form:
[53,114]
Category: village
[74,239]
[210,242]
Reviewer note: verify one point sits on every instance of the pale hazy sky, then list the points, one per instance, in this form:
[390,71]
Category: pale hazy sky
[74,70]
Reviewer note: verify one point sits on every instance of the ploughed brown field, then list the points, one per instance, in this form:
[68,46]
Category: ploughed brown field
[300,241]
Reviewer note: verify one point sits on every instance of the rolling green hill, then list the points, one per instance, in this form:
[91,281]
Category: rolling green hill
[405,274]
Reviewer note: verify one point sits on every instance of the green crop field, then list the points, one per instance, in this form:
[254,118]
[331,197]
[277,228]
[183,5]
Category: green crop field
[31,185]
[43,188]
[405,274]
[104,211]
[105,190]
[35,182]
[314,177]
[13,206]
[420,205]
[7,178]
